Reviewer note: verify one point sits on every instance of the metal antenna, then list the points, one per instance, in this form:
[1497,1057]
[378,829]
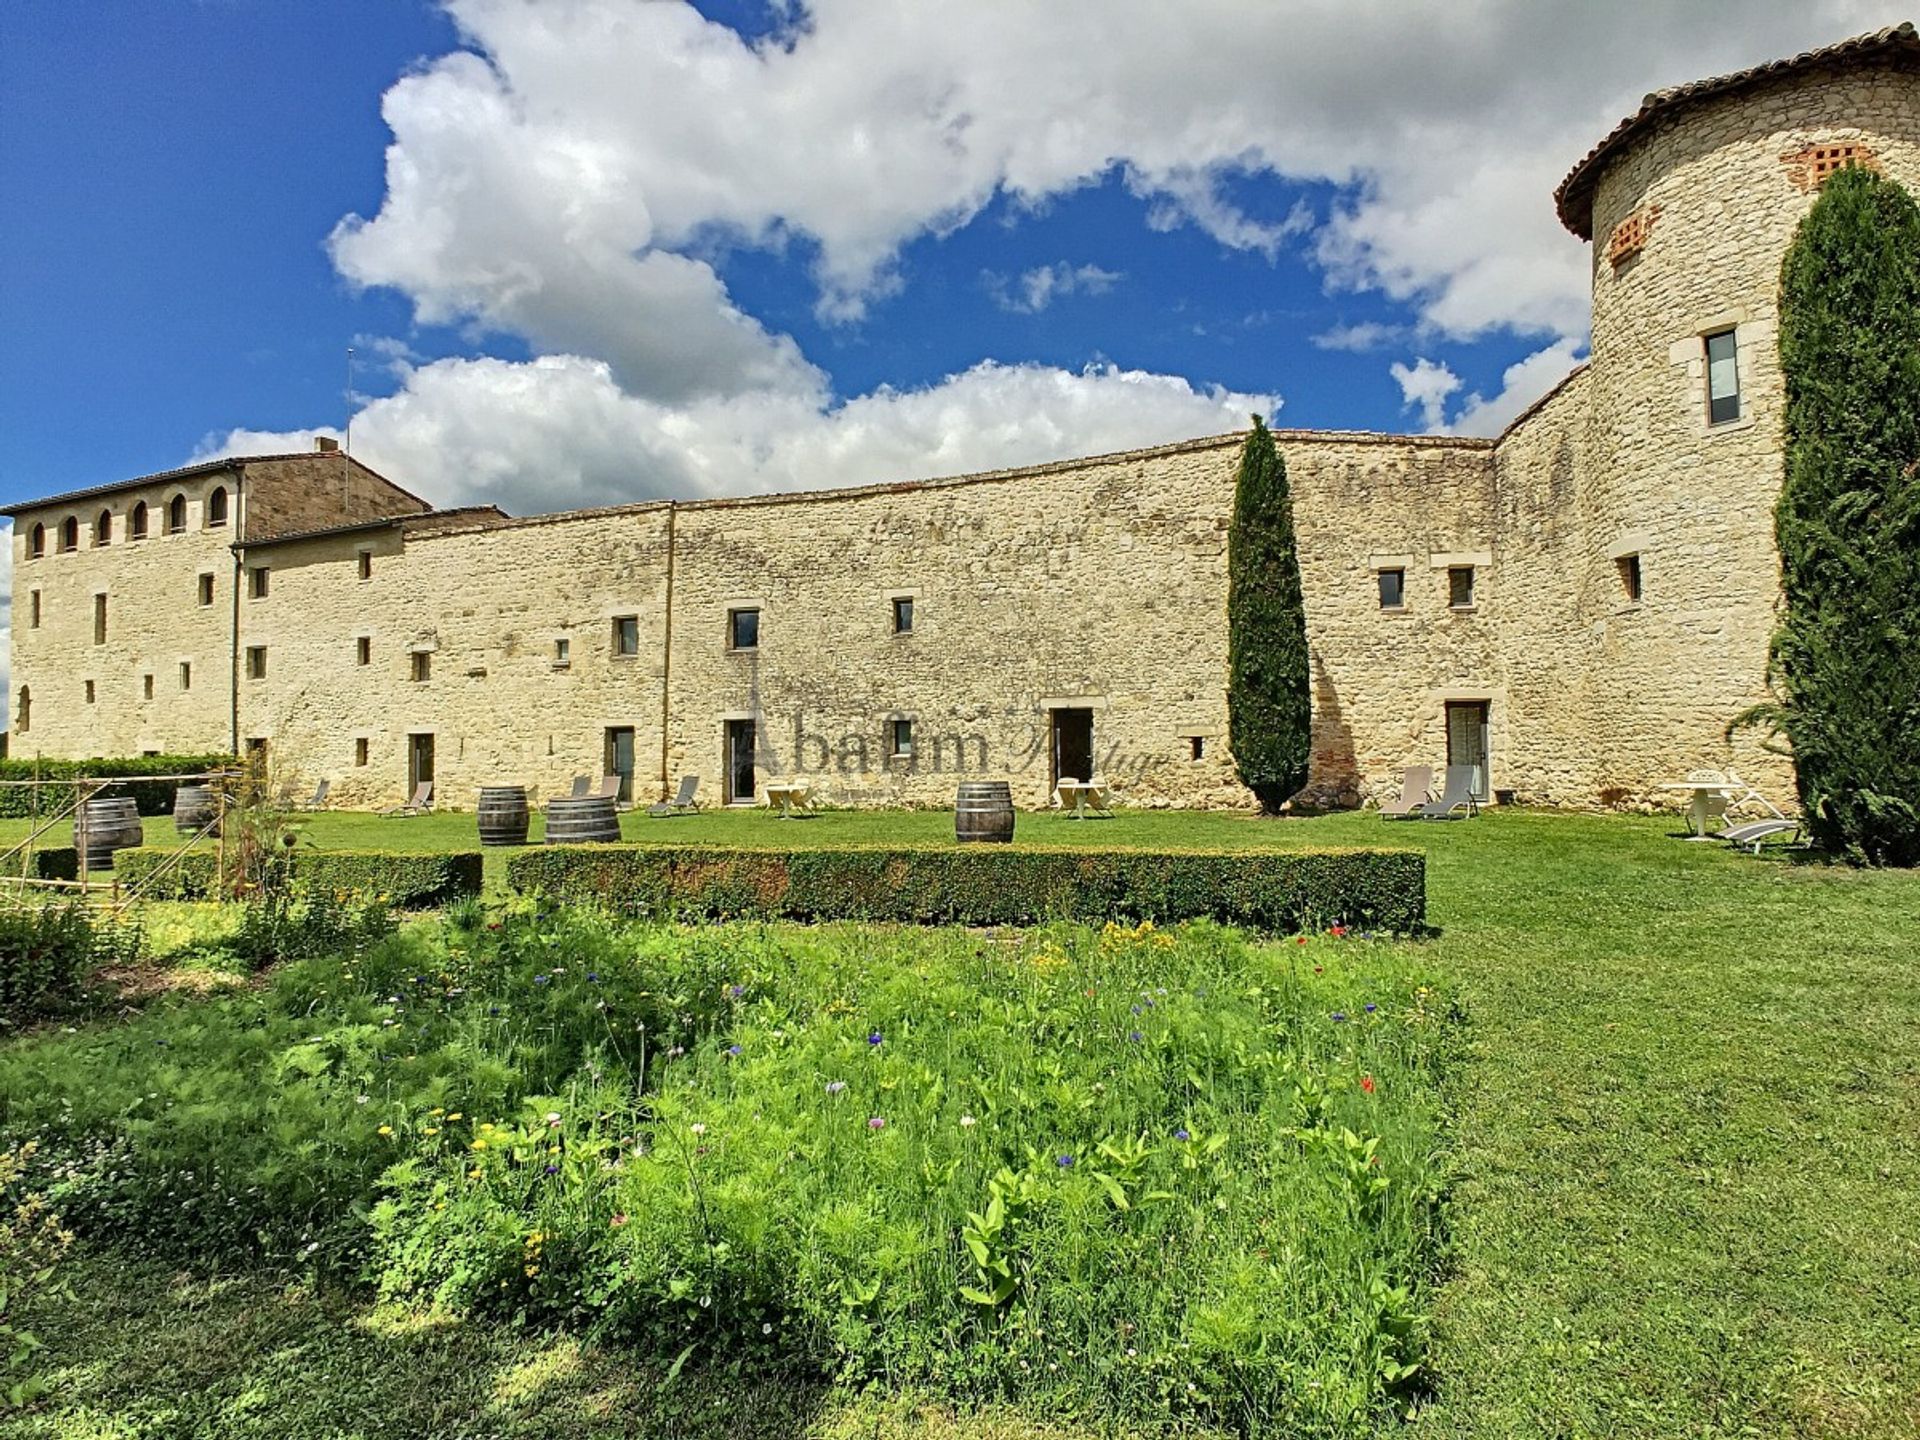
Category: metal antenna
[348,446]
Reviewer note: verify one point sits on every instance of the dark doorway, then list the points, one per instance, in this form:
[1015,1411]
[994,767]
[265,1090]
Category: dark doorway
[739,769]
[1467,740]
[419,762]
[1072,745]
[620,759]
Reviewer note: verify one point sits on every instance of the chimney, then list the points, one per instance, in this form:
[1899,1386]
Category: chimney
[324,445]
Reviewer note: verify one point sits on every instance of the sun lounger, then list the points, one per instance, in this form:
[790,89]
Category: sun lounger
[1416,791]
[582,786]
[609,788]
[420,804]
[682,802]
[1749,835]
[319,800]
[1456,801]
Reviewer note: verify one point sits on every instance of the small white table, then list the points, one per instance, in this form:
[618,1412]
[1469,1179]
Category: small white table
[1703,793]
[788,795]
[1076,791]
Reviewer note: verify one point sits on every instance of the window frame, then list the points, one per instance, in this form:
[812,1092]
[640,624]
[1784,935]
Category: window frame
[362,751]
[365,563]
[103,530]
[1736,397]
[176,517]
[363,650]
[420,666]
[899,729]
[186,675]
[218,507]
[137,521]
[1399,572]
[37,541]
[734,615]
[563,652]
[259,581]
[256,662]
[1632,576]
[623,626]
[100,617]
[204,588]
[1453,587]
[33,608]
[70,535]
[902,607]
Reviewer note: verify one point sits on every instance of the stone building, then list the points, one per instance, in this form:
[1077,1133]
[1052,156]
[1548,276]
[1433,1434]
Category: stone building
[1578,607]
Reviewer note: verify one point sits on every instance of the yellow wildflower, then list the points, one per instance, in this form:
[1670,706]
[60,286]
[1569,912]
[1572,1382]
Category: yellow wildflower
[386,1129]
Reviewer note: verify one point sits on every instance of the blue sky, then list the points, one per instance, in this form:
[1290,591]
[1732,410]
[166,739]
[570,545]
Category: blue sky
[636,249]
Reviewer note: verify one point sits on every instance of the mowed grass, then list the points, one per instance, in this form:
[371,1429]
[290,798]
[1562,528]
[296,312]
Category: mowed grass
[1685,1156]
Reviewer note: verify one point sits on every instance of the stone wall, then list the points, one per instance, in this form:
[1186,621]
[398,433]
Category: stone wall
[288,495]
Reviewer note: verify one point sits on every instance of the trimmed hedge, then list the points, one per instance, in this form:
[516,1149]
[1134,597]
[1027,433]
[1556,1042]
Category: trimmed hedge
[409,881]
[1378,889]
[152,796]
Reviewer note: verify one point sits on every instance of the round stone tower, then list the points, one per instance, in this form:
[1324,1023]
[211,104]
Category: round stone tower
[1691,204]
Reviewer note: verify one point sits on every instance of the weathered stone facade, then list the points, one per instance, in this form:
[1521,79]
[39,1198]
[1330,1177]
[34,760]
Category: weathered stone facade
[1091,585]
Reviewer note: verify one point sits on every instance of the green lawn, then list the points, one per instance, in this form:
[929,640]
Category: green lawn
[1685,1149]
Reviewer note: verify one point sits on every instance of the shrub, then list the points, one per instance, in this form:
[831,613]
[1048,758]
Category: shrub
[1269,694]
[153,796]
[1846,656]
[46,950]
[408,881]
[1381,889]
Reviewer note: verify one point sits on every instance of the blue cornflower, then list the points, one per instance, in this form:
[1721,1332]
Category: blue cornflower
[540,979]
[875,1038]
[1371,1008]
[493,1009]
[1065,1162]
[1339,1015]
[733,1049]
[1134,1035]
[1136,1009]
[736,991]
[1182,1135]
[592,979]
[553,1169]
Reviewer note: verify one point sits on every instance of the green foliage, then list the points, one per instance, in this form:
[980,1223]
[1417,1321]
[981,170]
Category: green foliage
[47,949]
[154,797]
[1846,656]
[32,1244]
[1269,683]
[811,1153]
[405,881]
[982,885]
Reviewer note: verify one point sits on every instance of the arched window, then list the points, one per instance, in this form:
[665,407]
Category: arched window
[137,522]
[103,529]
[217,507]
[70,533]
[24,722]
[177,515]
[39,545]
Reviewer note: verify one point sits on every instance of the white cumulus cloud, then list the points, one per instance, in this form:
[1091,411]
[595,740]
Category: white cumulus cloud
[1036,289]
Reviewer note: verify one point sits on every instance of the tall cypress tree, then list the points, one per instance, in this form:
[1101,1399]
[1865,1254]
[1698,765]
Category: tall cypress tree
[1845,662]
[1269,694]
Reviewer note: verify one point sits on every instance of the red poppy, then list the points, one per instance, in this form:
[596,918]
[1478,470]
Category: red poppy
[1366,1083]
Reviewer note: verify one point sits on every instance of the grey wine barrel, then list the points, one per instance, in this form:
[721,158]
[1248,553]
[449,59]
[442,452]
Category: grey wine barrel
[193,807]
[104,827]
[503,814]
[983,812]
[587,821]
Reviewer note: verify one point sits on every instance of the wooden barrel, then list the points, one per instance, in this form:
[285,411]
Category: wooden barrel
[588,821]
[193,807]
[503,814]
[104,827]
[983,812]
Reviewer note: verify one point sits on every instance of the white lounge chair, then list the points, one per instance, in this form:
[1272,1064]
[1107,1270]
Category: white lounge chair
[1748,836]
[1416,792]
[582,787]
[419,804]
[1456,801]
[682,802]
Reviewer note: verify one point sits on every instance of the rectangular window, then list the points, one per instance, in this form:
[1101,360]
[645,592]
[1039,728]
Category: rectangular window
[422,665]
[1723,378]
[90,692]
[206,589]
[626,635]
[1460,587]
[258,582]
[902,738]
[366,564]
[33,610]
[186,675]
[146,687]
[363,650]
[1630,576]
[562,653]
[1393,589]
[99,619]
[1198,746]
[360,751]
[256,662]
[903,615]
[743,629]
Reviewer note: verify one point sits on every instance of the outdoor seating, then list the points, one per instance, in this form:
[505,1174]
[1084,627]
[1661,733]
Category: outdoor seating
[1090,799]
[682,802]
[319,798]
[1456,800]
[582,787]
[419,804]
[794,797]
[1748,836]
[1416,791]
[609,788]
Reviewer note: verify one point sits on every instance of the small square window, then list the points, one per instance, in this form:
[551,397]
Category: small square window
[626,635]
[146,687]
[90,692]
[1197,746]
[1460,587]
[186,675]
[256,662]
[366,564]
[360,751]
[902,738]
[363,650]
[1723,378]
[1393,589]
[562,653]
[99,619]
[1629,566]
[206,589]
[258,582]
[422,665]
[903,615]
[743,629]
